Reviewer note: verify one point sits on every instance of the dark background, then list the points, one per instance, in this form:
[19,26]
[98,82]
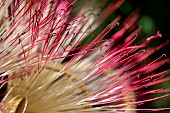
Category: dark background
[154,16]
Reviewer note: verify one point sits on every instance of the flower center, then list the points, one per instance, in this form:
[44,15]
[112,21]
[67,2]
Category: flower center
[17,104]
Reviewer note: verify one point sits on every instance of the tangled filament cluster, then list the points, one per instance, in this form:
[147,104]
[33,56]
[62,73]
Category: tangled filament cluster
[53,60]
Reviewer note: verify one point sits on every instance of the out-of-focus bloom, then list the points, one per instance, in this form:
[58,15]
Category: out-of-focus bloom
[53,60]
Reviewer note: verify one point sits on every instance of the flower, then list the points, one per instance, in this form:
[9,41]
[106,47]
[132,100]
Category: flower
[53,59]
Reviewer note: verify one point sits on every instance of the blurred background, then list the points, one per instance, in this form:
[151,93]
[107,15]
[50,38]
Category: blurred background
[154,16]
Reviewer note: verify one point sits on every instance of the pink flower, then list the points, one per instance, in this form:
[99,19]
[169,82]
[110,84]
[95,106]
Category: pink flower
[53,61]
